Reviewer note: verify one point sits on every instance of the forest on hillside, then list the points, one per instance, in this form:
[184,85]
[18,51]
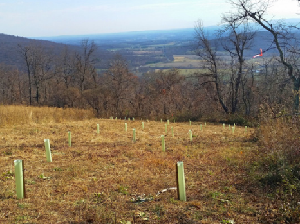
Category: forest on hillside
[161,79]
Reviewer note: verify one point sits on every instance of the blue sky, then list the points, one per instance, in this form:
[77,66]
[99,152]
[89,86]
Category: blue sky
[38,18]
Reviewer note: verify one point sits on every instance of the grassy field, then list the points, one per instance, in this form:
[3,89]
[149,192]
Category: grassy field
[106,178]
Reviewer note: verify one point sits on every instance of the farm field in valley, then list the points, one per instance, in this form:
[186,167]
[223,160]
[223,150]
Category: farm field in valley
[106,178]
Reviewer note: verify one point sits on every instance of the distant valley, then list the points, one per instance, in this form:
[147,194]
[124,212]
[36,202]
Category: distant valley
[144,51]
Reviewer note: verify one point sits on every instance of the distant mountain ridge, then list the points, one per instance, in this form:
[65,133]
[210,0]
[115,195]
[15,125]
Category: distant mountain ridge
[9,50]
[138,48]
[183,33]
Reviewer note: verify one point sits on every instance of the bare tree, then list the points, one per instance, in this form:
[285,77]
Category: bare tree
[84,63]
[239,39]
[282,34]
[207,50]
[25,52]
[10,85]
[120,82]
[39,66]
[234,38]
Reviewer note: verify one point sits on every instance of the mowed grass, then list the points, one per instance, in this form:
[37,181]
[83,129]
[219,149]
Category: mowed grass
[106,178]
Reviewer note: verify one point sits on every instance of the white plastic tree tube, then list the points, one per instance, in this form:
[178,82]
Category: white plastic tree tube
[168,122]
[223,125]
[191,135]
[19,176]
[98,129]
[246,128]
[143,125]
[190,122]
[48,151]
[172,131]
[233,130]
[180,181]
[126,127]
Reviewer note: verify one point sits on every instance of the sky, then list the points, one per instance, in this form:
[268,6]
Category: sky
[46,18]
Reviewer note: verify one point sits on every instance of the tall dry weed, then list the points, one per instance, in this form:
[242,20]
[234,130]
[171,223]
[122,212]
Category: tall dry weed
[278,165]
[14,115]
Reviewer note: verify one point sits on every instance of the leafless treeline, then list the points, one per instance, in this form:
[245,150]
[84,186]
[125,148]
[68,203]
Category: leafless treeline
[71,80]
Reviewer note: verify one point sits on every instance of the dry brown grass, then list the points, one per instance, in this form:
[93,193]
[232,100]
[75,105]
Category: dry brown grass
[14,115]
[96,180]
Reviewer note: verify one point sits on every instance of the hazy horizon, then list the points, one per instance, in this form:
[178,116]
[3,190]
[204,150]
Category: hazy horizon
[34,18]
